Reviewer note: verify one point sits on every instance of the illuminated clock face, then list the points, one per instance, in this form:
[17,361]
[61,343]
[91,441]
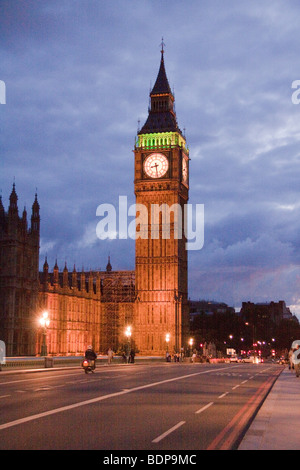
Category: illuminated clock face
[156,165]
[184,170]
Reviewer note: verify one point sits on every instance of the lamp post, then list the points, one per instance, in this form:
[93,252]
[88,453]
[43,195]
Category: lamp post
[128,334]
[168,357]
[191,342]
[44,322]
[253,332]
[167,341]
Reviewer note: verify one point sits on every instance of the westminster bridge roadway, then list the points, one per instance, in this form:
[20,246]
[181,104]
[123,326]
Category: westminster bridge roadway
[167,406]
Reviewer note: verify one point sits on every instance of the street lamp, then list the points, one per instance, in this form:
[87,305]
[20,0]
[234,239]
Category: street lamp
[167,340]
[44,322]
[128,334]
[191,342]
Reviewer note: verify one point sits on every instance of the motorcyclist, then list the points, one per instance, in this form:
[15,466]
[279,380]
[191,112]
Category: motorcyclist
[91,356]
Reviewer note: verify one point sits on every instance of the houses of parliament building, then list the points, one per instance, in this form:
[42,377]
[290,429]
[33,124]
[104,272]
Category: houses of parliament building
[95,307]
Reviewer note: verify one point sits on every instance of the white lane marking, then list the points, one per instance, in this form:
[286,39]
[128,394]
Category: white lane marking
[4,396]
[34,379]
[44,388]
[237,386]
[66,375]
[223,395]
[162,436]
[98,399]
[204,408]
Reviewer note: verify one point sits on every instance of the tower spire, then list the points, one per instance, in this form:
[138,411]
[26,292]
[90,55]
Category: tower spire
[162,116]
[162,46]
[161,85]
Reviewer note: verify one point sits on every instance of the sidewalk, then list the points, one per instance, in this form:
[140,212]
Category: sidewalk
[277,424]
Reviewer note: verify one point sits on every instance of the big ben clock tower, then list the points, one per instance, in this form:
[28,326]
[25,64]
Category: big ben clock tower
[161,188]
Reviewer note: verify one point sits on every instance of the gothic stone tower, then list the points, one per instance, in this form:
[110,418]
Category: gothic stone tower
[19,277]
[161,185]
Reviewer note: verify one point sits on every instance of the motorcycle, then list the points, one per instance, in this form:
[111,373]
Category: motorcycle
[88,366]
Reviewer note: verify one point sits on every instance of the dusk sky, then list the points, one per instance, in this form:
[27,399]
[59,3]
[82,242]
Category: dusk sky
[78,75]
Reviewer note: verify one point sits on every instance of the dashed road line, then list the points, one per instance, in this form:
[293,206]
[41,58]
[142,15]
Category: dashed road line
[204,408]
[162,436]
[223,395]
[237,386]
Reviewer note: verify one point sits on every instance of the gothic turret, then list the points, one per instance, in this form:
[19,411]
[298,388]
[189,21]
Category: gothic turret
[82,280]
[108,266]
[35,216]
[2,214]
[13,216]
[45,273]
[55,274]
[65,276]
[13,202]
[74,278]
[91,283]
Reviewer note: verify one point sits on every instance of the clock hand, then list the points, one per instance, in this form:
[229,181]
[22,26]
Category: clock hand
[155,166]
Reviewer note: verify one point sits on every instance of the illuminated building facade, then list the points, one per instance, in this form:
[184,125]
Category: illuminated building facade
[85,308]
[95,307]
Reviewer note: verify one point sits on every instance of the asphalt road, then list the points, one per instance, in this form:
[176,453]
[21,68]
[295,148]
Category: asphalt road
[132,407]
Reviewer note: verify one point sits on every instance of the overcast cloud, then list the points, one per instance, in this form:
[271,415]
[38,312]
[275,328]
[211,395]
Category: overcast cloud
[78,75]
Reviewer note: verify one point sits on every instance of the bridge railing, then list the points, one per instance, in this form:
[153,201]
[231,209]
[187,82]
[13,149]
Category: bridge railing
[14,363]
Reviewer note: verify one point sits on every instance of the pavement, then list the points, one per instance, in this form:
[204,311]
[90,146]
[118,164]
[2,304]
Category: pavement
[277,423]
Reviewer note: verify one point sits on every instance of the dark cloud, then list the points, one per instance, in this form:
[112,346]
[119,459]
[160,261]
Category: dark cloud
[78,74]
